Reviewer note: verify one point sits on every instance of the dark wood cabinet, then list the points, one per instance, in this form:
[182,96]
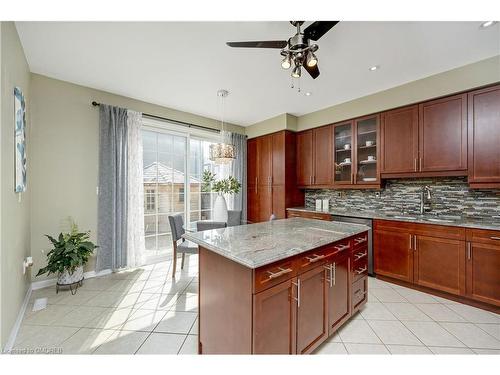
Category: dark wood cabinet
[305,158]
[439,263]
[271,176]
[399,136]
[274,320]
[322,156]
[312,309]
[338,292]
[393,253]
[443,134]
[484,138]
[483,265]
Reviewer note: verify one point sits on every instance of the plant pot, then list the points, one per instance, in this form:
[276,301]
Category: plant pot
[220,209]
[67,278]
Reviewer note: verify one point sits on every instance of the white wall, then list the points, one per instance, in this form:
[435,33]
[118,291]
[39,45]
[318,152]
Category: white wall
[15,214]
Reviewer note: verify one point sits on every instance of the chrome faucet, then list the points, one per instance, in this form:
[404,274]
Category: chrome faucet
[425,198]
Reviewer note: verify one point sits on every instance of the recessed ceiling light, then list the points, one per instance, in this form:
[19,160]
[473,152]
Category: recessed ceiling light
[308,93]
[486,24]
[373,68]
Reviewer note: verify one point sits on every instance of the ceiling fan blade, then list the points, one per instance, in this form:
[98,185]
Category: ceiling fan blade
[312,70]
[260,44]
[317,29]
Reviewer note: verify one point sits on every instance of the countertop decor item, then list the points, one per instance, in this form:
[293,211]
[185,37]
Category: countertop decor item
[70,253]
[228,185]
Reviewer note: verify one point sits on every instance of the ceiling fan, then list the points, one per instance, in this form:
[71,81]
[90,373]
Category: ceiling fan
[298,49]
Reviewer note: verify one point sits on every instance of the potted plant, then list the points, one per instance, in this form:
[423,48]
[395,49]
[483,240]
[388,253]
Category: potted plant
[70,253]
[228,185]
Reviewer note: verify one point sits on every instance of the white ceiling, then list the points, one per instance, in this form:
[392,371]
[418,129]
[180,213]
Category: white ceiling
[182,64]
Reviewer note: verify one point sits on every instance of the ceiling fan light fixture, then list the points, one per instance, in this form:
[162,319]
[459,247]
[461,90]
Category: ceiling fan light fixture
[311,60]
[296,72]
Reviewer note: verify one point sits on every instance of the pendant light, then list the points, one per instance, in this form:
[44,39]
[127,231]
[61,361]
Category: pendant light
[222,152]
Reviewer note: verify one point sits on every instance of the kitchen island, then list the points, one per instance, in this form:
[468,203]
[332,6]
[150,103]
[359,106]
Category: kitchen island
[278,287]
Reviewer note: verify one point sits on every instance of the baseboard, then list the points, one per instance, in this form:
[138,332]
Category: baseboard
[51,282]
[13,333]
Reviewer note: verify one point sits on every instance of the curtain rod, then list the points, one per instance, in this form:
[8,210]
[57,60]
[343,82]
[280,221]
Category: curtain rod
[96,104]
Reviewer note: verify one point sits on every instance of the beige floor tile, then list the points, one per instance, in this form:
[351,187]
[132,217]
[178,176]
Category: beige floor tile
[47,316]
[50,294]
[472,336]
[432,334]
[334,338]
[407,349]
[331,348]
[157,301]
[190,345]
[358,331]
[439,312]
[387,295]
[415,296]
[85,341]
[176,322]
[110,319]
[492,329]
[374,283]
[122,342]
[486,351]
[98,283]
[191,288]
[393,332]
[474,315]
[162,343]
[46,337]
[80,298]
[128,286]
[143,320]
[80,316]
[406,311]
[448,350]
[376,311]
[116,299]
[186,302]
[366,349]
[176,287]
[194,328]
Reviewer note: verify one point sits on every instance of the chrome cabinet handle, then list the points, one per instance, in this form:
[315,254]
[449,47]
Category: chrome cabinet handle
[281,272]
[495,238]
[469,251]
[415,242]
[415,164]
[330,270]
[361,270]
[315,258]
[297,284]
[360,240]
[334,273]
[358,256]
[341,247]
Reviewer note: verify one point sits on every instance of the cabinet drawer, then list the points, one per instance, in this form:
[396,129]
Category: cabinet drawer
[314,258]
[273,274]
[431,230]
[360,240]
[359,293]
[360,263]
[310,215]
[490,237]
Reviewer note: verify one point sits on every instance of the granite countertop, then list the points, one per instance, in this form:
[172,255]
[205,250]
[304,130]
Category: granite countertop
[256,245]
[429,218]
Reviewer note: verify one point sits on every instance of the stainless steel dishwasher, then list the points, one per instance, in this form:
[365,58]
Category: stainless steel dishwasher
[368,223]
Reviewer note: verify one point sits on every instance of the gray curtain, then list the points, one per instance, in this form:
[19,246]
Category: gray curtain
[239,171]
[112,209]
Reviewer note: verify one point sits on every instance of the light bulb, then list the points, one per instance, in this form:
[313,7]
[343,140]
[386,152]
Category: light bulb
[312,60]
[296,71]
[286,63]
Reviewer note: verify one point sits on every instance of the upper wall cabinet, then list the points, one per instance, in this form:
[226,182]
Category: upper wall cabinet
[443,135]
[484,138]
[429,139]
[315,157]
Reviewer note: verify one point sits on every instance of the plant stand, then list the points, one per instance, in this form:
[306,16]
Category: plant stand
[74,285]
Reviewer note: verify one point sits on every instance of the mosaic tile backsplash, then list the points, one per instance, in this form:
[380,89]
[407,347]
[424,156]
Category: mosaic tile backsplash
[450,196]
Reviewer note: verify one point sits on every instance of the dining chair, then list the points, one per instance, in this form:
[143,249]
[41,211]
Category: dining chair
[233,218]
[202,225]
[185,247]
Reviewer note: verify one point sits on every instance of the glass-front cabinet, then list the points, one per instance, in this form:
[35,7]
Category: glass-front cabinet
[367,139]
[343,155]
[356,152]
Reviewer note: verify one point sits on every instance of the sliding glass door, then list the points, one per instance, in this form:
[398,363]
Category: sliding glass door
[168,189]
